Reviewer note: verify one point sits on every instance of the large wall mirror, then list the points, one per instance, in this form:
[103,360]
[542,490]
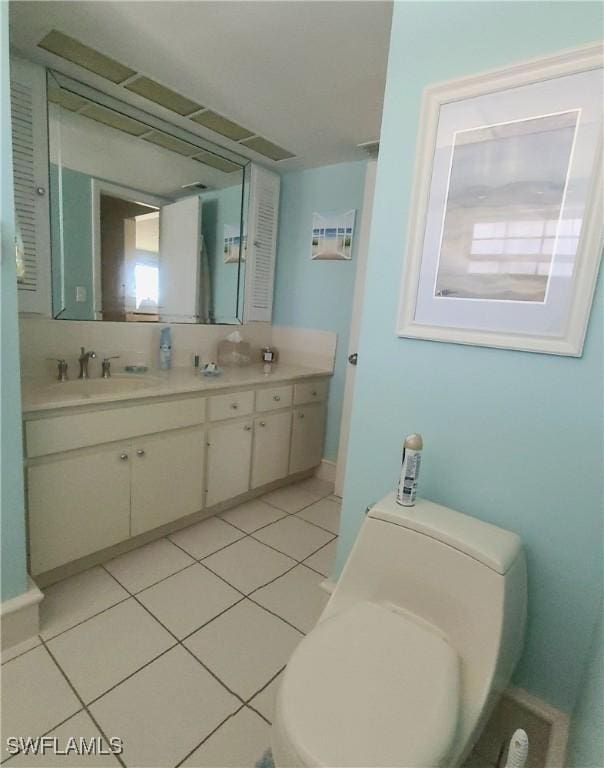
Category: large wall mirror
[148,221]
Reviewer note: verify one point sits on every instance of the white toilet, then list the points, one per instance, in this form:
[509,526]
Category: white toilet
[423,630]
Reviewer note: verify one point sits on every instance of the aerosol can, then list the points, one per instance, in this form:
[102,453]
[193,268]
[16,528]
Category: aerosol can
[412,456]
[518,751]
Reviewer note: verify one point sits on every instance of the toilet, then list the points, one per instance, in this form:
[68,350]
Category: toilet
[421,633]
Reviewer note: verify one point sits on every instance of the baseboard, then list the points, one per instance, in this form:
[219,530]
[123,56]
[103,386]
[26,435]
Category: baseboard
[559,723]
[328,585]
[326,470]
[20,616]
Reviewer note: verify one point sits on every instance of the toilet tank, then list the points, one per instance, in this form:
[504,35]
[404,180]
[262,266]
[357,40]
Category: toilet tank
[465,577]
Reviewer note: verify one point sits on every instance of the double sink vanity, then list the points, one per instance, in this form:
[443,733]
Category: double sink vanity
[113,462]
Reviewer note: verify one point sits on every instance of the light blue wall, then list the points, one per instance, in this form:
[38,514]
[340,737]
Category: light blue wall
[318,294]
[513,438]
[12,534]
[77,242]
[586,748]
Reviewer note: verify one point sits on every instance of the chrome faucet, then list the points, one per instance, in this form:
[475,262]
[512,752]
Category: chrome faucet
[83,361]
[106,366]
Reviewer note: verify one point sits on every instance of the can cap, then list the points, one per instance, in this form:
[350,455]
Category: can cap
[414,442]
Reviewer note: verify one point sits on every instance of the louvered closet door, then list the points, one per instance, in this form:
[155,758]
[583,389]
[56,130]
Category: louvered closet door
[262,244]
[30,171]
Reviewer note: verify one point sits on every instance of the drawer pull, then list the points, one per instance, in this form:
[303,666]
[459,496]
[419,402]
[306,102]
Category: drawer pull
[300,415]
[263,423]
[247,427]
[140,452]
[276,398]
[234,406]
[123,457]
[314,393]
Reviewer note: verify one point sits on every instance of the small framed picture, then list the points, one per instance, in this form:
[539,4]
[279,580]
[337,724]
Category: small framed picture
[332,235]
[505,233]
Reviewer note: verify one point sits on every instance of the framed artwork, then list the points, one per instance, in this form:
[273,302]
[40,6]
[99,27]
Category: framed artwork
[332,235]
[505,234]
[232,244]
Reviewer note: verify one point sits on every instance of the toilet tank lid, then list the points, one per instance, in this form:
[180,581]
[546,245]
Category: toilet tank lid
[493,546]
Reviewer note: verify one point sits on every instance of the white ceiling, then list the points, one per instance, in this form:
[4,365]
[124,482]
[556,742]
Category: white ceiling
[308,76]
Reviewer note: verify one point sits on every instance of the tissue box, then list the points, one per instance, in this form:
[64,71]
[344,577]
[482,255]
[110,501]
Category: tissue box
[232,353]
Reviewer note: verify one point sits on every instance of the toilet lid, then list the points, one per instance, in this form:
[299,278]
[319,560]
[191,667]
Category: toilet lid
[371,687]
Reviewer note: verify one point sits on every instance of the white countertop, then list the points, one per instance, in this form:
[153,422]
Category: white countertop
[42,394]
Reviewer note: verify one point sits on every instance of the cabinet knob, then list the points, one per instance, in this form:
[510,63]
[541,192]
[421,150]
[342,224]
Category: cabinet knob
[247,427]
[234,406]
[314,393]
[123,457]
[300,415]
[140,452]
[276,398]
[263,423]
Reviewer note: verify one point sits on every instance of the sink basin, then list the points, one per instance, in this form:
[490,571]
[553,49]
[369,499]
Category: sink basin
[117,384]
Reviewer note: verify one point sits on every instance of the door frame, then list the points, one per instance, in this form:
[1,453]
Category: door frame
[355,322]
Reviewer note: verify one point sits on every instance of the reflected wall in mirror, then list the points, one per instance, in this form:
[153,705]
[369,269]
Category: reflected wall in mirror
[148,221]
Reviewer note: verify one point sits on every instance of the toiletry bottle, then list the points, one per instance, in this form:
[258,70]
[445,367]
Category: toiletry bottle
[412,456]
[165,348]
[268,357]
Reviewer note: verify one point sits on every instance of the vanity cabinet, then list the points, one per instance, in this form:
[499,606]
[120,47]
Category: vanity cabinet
[78,503]
[167,478]
[271,447]
[307,437]
[229,459]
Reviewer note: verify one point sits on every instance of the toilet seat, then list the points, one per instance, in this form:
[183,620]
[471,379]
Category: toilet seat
[370,687]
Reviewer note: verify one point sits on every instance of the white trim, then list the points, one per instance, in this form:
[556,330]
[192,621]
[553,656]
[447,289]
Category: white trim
[558,720]
[326,470]
[19,616]
[98,186]
[328,585]
[568,62]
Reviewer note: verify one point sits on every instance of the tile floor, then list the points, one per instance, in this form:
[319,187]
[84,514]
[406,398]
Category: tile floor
[177,647]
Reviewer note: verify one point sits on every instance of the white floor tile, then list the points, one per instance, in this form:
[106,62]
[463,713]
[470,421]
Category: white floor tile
[146,565]
[102,651]
[78,726]
[248,564]
[290,499]
[317,487]
[72,600]
[252,515]
[239,743]
[16,650]
[188,599]
[323,561]
[35,696]
[294,537]
[245,647]
[264,701]
[297,597]
[206,537]
[165,710]
[325,513]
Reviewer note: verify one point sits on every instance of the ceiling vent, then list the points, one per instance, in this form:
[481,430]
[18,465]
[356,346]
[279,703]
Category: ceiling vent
[78,53]
[163,96]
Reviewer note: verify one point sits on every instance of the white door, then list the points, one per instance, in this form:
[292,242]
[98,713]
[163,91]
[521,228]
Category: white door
[229,460]
[308,432]
[271,447]
[355,323]
[180,260]
[167,478]
[77,505]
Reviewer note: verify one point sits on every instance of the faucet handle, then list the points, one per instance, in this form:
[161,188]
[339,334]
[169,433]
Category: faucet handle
[106,366]
[62,367]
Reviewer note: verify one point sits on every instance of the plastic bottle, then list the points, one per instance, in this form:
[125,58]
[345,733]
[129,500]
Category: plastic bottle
[165,348]
[412,456]
[518,751]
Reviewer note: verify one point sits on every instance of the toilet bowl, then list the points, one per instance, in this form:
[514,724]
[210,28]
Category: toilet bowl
[405,664]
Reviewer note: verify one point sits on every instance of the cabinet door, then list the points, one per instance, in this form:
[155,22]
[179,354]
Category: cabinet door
[77,505]
[167,478]
[307,438]
[229,459]
[271,447]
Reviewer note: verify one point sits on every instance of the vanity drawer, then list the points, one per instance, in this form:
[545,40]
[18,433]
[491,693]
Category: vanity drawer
[310,392]
[229,406]
[65,433]
[274,397]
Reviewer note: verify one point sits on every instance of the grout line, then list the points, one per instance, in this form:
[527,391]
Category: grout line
[266,685]
[82,702]
[83,621]
[256,712]
[209,621]
[18,656]
[210,734]
[50,730]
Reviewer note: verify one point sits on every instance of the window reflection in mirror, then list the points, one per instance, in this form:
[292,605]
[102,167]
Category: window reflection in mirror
[147,225]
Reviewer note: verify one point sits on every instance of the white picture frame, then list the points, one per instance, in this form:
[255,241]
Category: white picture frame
[332,236]
[506,227]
